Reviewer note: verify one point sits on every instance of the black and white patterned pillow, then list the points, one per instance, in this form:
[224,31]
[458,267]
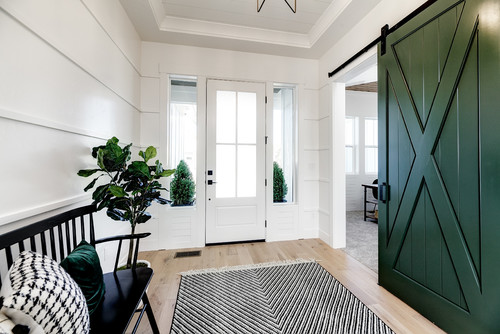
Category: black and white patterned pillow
[6,325]
[38,288]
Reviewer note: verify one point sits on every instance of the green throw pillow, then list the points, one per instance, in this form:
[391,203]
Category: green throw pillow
[83,265]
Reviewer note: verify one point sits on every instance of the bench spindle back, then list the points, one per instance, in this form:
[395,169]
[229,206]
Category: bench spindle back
[55,237]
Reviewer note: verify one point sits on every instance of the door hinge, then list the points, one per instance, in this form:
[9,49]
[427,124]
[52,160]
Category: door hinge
[265,182]
[265,223]
[266,140]
[266,99]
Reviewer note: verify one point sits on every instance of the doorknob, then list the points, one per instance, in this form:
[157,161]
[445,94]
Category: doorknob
[210,182]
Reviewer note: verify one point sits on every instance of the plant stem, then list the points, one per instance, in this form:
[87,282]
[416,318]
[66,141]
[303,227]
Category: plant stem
[131,248]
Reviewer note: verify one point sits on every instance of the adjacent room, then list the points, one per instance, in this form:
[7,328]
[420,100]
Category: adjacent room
[249,166]
[361,168]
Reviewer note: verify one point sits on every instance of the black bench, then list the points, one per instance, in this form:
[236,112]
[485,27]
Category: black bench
[57,236]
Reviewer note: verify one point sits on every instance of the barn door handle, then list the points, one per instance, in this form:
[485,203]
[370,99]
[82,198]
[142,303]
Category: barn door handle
[382,192]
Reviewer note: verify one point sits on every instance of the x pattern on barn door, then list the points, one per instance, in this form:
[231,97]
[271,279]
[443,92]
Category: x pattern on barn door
[432,232]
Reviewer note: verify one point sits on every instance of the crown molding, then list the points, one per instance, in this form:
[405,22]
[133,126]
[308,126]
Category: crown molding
[331,14]
[229,31]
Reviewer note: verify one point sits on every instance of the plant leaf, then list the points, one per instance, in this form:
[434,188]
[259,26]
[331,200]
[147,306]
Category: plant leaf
[100,158]
[158,167]
[115,214]
[162,200]
[102,205]
[91,184]
[126,151]
[113,140]
[87,172]
[143,218]
[167,172]
[95,150]
[100,192]
[139,169]
[117,191]
[150,153]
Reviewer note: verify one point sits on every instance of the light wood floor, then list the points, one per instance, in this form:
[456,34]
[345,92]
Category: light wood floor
[352,274]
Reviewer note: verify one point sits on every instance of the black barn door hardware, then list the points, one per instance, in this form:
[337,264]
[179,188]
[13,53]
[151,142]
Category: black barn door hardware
[385,31]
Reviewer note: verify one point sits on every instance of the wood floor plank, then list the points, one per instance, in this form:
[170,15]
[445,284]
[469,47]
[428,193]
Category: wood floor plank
[352,274]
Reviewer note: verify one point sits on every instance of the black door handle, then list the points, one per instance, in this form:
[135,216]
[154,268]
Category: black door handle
[382,192]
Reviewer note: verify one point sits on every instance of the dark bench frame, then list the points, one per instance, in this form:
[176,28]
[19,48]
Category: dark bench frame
[57,236]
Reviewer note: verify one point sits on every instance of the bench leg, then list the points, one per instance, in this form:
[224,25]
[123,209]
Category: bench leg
[149,312]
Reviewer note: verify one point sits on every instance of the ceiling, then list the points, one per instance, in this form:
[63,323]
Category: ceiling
[371,87]
[236,25]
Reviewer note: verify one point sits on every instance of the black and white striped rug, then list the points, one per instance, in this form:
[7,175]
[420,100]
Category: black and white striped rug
[298,297]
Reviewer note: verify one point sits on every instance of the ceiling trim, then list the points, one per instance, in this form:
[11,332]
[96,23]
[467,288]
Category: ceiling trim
[157,10]
[222,30]
[326,19]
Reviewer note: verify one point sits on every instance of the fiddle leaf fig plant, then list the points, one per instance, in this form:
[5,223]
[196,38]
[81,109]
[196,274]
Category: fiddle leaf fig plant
[130,187]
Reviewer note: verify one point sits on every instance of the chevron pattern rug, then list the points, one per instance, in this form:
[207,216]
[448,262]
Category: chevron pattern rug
[298,297]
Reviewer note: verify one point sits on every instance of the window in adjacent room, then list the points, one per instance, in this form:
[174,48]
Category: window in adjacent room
[371,146]
[182,122]
[351,138]
[284,135]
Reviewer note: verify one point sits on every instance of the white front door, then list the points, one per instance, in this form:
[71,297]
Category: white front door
[235,175]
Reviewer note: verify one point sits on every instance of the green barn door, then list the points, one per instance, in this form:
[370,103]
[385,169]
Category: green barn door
[439,165]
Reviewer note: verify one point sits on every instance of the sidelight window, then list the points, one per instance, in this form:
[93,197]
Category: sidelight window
[182,122]
[284,134]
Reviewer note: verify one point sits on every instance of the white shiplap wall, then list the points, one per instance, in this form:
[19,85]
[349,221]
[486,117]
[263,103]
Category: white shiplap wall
[69,80]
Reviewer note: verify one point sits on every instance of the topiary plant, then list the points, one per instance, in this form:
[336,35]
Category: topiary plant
[280,189]
[182,187]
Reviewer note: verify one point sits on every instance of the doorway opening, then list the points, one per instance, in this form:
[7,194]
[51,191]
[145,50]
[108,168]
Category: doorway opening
[361,167]
[356,87]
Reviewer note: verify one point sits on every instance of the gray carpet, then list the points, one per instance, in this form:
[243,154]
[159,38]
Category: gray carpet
[278,298]
[362,239]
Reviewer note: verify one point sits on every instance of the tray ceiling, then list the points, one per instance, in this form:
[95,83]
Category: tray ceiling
[236,25]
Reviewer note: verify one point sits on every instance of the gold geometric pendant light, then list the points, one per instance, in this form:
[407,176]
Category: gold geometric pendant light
[294,8]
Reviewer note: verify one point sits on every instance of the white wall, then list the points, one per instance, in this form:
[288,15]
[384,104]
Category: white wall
[361,105]
[68,81]
[185,227]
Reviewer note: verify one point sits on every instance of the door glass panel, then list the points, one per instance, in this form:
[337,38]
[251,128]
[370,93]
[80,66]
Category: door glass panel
[247,170]
[247,117]
[226,117]
[226,171]
[236,155]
